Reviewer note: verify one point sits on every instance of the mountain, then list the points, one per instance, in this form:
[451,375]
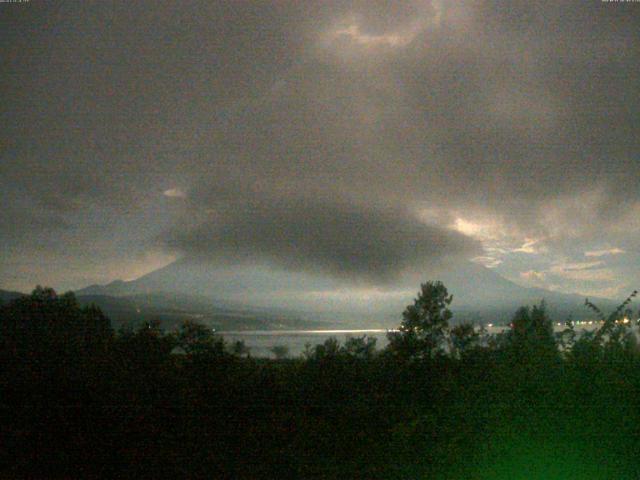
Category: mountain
[116,288]
[480,294]
[171,309]
[7,295]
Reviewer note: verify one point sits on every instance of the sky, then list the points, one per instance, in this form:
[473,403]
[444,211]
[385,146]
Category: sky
[364,141]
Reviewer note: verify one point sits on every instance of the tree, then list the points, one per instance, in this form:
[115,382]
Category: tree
[615,336]
[567,338]
[280,351]
[239,348]
[45,322]
[329,349]
[196,339]
[147,346]
[531,333]
[360,347]
[463,339]
[425,324]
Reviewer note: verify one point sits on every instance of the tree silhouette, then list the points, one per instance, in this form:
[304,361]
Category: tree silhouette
[614,338]
[197,339]
[463,338]
[280,351]
[531,335]
[46,322]
[360,347]
[329,349]
[239,348]
[425,324]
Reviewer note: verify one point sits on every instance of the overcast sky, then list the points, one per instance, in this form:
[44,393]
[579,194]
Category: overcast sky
[354,140]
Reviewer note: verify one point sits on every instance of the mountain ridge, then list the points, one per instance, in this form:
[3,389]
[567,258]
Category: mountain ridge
[479,292]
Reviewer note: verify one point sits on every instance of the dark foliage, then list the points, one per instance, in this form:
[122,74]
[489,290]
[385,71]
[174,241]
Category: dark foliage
[81,401]
[424,324]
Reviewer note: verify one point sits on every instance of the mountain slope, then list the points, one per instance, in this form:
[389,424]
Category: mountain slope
[171,309]
[7,295]
[480,293]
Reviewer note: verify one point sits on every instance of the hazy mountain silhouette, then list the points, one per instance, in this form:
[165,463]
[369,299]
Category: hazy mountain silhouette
[480,289]
[171,308]
[479,293]
[7,295]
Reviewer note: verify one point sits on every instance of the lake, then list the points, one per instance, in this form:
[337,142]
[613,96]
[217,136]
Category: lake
[260,342]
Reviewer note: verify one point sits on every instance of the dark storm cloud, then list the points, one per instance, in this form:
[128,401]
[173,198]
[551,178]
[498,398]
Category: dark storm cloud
[319,133]
[340,239]
[529,102]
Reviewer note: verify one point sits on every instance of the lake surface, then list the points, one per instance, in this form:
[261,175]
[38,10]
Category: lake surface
[260,342]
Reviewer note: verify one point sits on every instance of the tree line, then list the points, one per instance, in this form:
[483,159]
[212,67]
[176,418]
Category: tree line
[442,400]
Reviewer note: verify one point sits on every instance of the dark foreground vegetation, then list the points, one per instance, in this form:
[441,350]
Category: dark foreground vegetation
[82,401]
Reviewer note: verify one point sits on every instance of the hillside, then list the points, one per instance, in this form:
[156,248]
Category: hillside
[7,295]
[480,294]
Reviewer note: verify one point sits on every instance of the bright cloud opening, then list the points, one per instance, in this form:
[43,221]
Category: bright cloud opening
[602,253]
[174,193]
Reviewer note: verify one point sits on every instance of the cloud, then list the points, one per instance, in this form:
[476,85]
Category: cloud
[312,134]
[576,267]
[586,271]
[528,246]
[487,261]
[353,32]
[174,193]
[605,252]
[533,276]
[341,239]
